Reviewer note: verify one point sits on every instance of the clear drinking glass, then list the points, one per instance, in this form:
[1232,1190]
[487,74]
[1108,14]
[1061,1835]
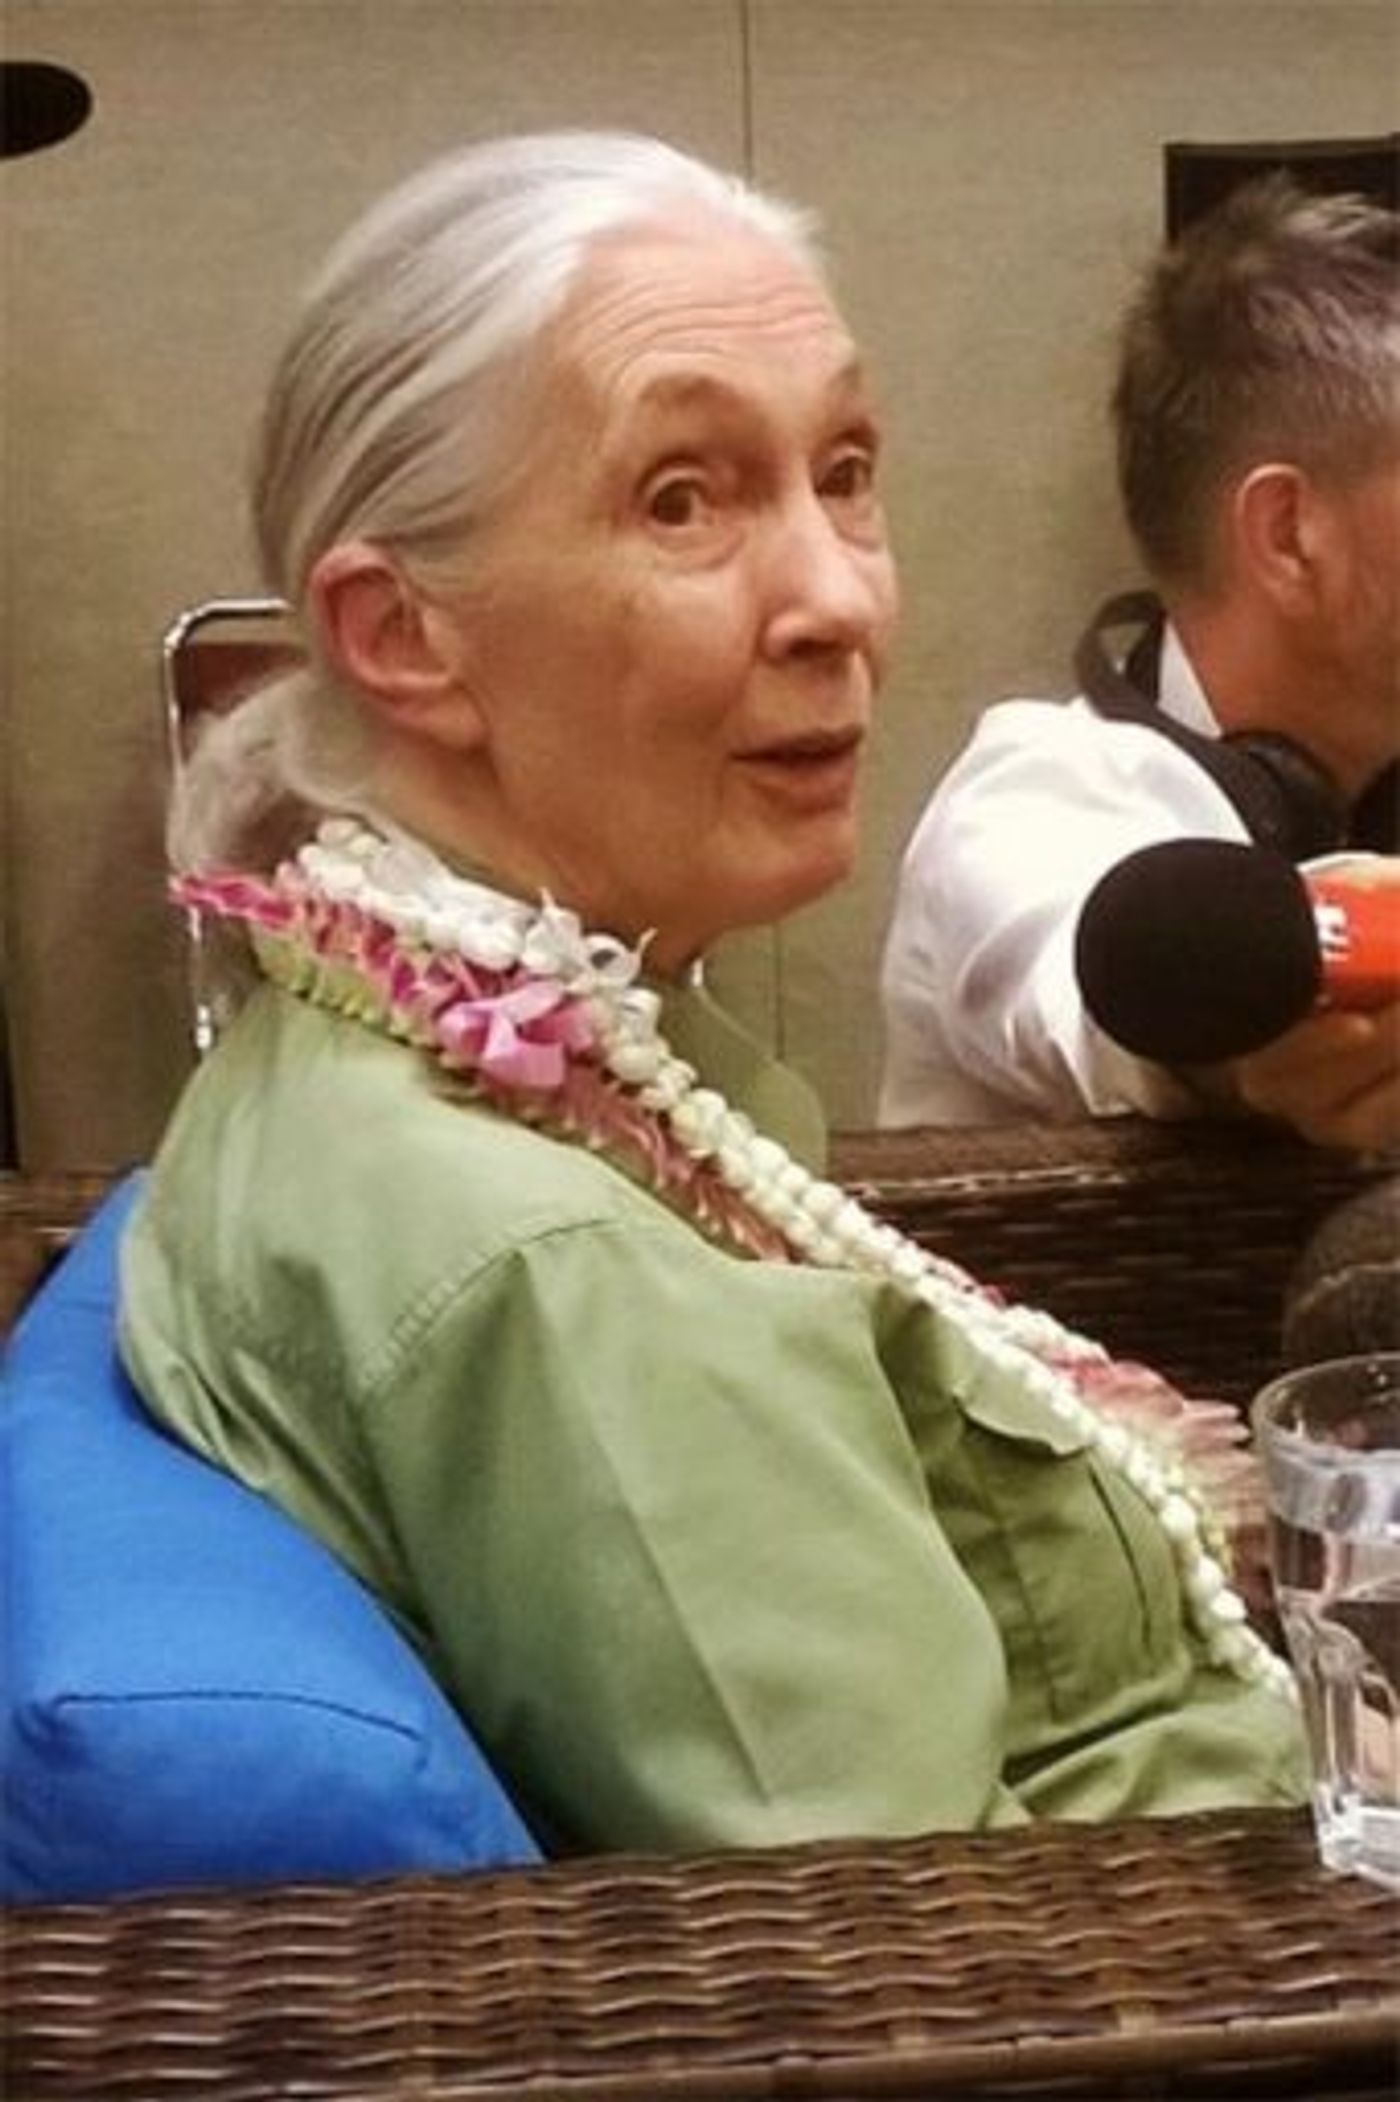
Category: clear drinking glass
[1329,1439]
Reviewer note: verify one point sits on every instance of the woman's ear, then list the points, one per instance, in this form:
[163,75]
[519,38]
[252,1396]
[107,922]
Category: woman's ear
[396,647]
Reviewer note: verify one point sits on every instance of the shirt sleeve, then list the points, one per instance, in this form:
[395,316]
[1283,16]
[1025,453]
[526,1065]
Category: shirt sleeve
[980,960]
[676,1553]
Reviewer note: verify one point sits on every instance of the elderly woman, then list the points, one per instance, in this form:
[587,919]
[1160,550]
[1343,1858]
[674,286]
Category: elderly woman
[484,1242]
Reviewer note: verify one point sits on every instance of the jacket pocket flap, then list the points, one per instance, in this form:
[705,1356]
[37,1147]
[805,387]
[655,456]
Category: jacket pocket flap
[996,1399]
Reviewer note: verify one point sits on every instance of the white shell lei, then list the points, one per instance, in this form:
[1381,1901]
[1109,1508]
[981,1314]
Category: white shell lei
[399,884]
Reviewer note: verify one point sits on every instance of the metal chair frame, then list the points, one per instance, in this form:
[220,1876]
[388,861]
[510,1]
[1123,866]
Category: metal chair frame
[201,636]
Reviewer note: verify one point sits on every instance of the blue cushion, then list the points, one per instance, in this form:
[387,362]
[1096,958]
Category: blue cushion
[196,1690]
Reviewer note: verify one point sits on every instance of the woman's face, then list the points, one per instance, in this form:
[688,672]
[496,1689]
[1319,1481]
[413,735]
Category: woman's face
[676,625]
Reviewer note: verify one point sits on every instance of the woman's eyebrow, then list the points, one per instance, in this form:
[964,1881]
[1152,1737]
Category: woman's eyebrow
[670,391]
[666,392]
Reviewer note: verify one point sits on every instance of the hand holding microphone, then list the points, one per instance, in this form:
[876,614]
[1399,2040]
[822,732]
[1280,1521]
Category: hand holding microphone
[1357,908]
[1335,1077]
[1201,952]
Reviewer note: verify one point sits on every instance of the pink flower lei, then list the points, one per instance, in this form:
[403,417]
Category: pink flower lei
[547,1022]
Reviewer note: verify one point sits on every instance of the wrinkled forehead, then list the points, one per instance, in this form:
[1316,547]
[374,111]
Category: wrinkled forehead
[691,301]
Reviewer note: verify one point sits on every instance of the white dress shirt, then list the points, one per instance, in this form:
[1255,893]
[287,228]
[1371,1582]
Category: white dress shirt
[983,1018]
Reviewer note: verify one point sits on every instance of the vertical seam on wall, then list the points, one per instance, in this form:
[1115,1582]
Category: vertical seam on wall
[745,10]
[746,83]
[9,914]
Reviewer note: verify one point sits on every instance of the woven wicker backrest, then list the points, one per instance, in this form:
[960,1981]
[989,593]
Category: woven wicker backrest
[1170,1243]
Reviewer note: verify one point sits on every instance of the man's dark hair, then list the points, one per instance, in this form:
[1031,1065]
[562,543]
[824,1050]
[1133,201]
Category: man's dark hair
[1269,331]
[1343,1297]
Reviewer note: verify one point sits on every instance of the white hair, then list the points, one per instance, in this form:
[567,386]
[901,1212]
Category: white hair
[389,418]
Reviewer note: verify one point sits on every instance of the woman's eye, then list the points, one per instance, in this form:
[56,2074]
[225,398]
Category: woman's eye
[851,474]
[678,501]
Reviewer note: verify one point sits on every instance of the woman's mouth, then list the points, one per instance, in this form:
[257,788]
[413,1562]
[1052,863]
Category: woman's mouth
[816,769]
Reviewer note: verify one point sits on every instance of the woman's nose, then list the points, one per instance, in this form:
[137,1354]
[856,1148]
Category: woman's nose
[828,590]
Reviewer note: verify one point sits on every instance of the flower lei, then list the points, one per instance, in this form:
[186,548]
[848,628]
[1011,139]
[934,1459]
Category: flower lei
[547,1022]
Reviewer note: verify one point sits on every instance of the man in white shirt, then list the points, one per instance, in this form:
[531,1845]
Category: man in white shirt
[1258,420]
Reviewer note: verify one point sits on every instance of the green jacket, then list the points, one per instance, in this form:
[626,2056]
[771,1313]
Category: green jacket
[707,1550]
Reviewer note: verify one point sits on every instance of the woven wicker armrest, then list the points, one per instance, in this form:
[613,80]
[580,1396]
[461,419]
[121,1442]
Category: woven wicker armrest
[1172,1244]
[1197,1956]
[39,1215]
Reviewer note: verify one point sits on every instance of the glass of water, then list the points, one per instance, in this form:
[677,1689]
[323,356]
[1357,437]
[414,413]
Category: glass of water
[1329,1440]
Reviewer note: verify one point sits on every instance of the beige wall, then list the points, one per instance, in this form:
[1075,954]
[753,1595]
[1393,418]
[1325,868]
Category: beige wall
[990,175]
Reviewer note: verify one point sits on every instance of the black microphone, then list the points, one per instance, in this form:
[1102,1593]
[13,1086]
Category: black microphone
[1197,950]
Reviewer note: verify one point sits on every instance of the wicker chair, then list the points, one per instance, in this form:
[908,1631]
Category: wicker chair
[1197,1956]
